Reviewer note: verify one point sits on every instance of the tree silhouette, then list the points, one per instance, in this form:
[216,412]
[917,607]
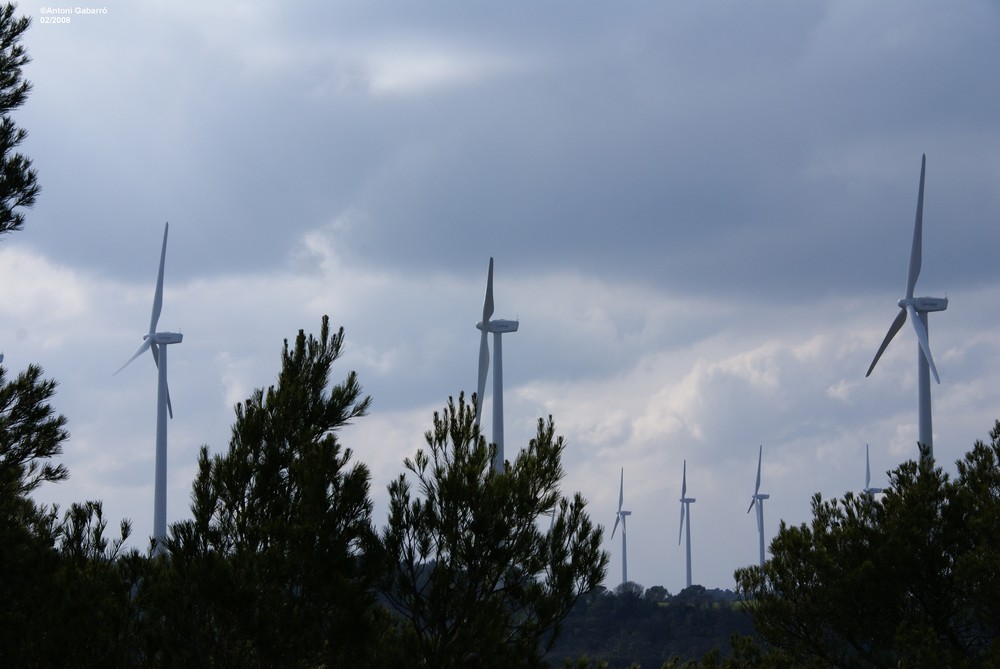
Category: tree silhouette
[473,567]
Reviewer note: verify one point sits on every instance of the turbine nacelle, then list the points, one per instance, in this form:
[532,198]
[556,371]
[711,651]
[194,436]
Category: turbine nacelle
[924,304]
[166,337]
[499,326]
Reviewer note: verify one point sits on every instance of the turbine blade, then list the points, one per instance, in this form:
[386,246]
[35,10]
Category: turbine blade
[684,481]
[893,329]
[139,351]
[156,358]
[681,530]
[752,502]
[868,469]
[925,346]
[621,492]
[760,456]
[484,347]
[916,249]
[615,528]
[488,302]
[484,368]
[158,295]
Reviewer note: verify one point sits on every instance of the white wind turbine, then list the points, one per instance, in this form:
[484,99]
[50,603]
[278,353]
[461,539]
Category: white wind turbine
[620,516]
[686,503]
[498,328]
[918,308]
[758,501]
[156,343]
[869,490]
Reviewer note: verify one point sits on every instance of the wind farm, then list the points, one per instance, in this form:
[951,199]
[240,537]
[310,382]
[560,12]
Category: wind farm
[701,219]
[490,359]
[698,277]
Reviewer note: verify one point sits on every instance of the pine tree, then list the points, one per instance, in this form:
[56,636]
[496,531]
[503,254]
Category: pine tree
[477,565]
[907,579]
[18,182]
[272,569]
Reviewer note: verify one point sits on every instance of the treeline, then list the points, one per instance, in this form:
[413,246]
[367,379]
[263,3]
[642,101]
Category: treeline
[649,627]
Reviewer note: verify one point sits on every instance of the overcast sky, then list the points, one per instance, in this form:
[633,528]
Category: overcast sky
[700,212]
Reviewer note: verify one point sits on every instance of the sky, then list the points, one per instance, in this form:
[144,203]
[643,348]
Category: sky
[700,212]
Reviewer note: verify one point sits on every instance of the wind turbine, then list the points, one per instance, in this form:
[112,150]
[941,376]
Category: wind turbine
[870,491]
[156,343]
[498,328]
[758,500]
[918,308]
[686,503]
[620,516]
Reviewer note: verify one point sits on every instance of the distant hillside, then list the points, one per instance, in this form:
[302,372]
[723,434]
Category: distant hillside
[649,627]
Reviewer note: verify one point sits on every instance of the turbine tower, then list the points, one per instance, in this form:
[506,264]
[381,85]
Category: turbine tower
[156,343]
[869,490]
[686,503]
[758,501]
[498,328]
[917,308]
[620,516]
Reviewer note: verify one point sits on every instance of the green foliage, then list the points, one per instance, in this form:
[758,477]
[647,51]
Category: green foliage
[471,566]
[18,182]
[31,434]
[272,570]
[908,579]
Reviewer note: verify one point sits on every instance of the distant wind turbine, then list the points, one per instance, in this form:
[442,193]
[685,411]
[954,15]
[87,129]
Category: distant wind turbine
[758,501]
[156,343]
[917,308]
[620,516]
[498,328]
[870,491]
[686,503]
